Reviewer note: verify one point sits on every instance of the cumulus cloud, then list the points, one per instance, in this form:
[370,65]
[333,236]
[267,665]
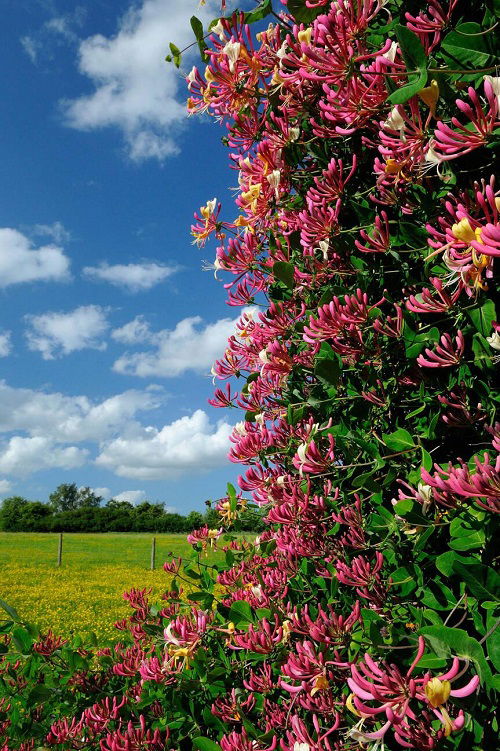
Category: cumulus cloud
[133,88]
[21,262]
[190,444]
[134,332]
[21,456]
[55,334]
[131,496]
[5,343]
[192,345]
[72,418]
[134,277]
[5,486]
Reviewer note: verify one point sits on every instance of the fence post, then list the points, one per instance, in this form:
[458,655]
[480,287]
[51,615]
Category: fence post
[153,553]
[59,549]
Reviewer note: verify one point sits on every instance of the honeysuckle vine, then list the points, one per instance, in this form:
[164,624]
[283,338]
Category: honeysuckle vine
[362,247]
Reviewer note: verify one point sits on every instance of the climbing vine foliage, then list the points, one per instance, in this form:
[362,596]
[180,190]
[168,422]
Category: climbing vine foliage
[362,249]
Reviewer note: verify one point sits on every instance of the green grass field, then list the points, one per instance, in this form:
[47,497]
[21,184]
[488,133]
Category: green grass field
[85,593]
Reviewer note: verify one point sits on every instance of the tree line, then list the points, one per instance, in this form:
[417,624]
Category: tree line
[73,509]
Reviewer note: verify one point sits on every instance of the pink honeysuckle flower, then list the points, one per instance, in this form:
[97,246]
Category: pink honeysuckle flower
[204,535]
[482,483]
[429,24]
[99,715]
[426,302]
[298,737]
[444,355]
[228,707]
[379,241]
[261,638]
[365,577]
[389,326]
[488,242]
[130,736]
[312,459]
[451,143]
[390,692]
[241,742]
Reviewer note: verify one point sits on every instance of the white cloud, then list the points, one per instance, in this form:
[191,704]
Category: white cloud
[134,332]
[56,334]
[57,231]
[72,418]
[20,262]
[132,496]
[32,47]
[134,89]
[190,346]
[5,486]
[102,492]
[190,444]
[5,344]
[21,456]
[58,30]
[134,277]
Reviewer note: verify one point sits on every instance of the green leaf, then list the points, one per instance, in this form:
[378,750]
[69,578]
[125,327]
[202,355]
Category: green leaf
[197,27]
[468,574]
[399,440]
[483,353]
[263,9]
[176,55]
[416,60]
[10,610]
[22,640]
[328,372]
[240,613]
[284,272]
[205,744]
[482,316]
[301,13]
[466,46]
[455,642]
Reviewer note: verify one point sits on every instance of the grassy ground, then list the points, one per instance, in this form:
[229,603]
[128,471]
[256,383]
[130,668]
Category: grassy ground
[85,594]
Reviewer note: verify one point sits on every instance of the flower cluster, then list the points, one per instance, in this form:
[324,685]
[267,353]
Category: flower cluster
[366,229]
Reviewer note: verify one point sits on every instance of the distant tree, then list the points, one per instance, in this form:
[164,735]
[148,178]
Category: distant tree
[64,498]
[11,513]
[194,520]
[68,497]
[88,499]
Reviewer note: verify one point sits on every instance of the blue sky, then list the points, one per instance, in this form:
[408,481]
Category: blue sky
[109,325]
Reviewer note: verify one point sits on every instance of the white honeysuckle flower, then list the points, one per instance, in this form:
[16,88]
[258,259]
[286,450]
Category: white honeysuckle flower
[293,134]
[391,52]
[232,51]
[495,85]
[395,120]
[260,419]
[281,53]
[191,77]
[208,210]
[301,746]
[263,357]
[240,428]
[274,179]
[218,29]
[324,246]
[494,340]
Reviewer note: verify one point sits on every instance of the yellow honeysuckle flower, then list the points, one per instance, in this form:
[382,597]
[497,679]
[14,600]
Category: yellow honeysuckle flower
[437,692]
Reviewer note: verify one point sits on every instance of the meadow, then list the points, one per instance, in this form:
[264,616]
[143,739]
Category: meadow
[86,593]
